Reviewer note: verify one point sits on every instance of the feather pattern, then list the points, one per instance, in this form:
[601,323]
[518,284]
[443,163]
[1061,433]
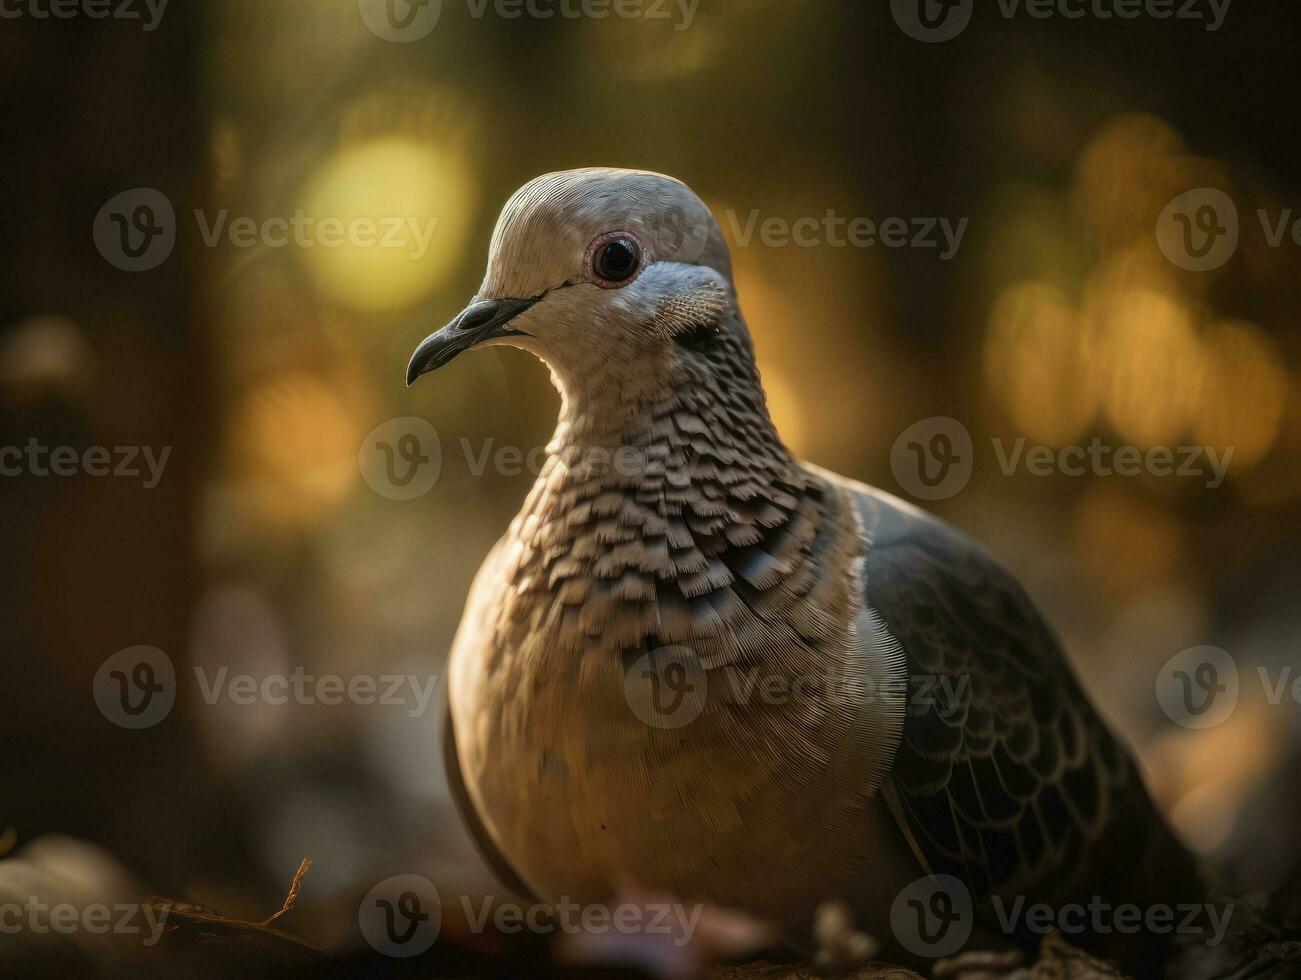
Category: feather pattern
[669,516]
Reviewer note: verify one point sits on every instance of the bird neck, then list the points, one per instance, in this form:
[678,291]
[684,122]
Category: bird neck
[673,422]
[669,515]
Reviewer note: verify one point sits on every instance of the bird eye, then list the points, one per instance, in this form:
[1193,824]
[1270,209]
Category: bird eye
[615,259]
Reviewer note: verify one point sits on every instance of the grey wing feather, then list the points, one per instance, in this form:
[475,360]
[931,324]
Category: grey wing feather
[1005,775]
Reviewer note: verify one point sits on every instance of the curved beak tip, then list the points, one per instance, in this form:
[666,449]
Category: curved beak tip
[479,321]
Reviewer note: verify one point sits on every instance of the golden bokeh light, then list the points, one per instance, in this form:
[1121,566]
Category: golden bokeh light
[405,206]
[1040,363]
[294,441]
[1151,361]
[1126,175]
[768,314]
[1243,393]
[1127,545]
[1202,777]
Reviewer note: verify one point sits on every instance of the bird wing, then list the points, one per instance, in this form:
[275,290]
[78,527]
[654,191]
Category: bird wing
[1004,775]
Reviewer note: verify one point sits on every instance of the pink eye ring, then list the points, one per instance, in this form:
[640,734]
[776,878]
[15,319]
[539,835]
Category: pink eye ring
[613,259]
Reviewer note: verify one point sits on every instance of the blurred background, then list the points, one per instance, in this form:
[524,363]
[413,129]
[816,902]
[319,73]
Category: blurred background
[265,545]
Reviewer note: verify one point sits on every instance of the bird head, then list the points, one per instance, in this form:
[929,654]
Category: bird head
[616,279]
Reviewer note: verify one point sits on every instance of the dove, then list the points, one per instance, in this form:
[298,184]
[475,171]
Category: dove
[853,695]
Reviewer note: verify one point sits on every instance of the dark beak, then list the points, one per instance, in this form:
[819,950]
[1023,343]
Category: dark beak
[476,323]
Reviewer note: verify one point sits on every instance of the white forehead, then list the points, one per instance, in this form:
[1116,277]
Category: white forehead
[546,226]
